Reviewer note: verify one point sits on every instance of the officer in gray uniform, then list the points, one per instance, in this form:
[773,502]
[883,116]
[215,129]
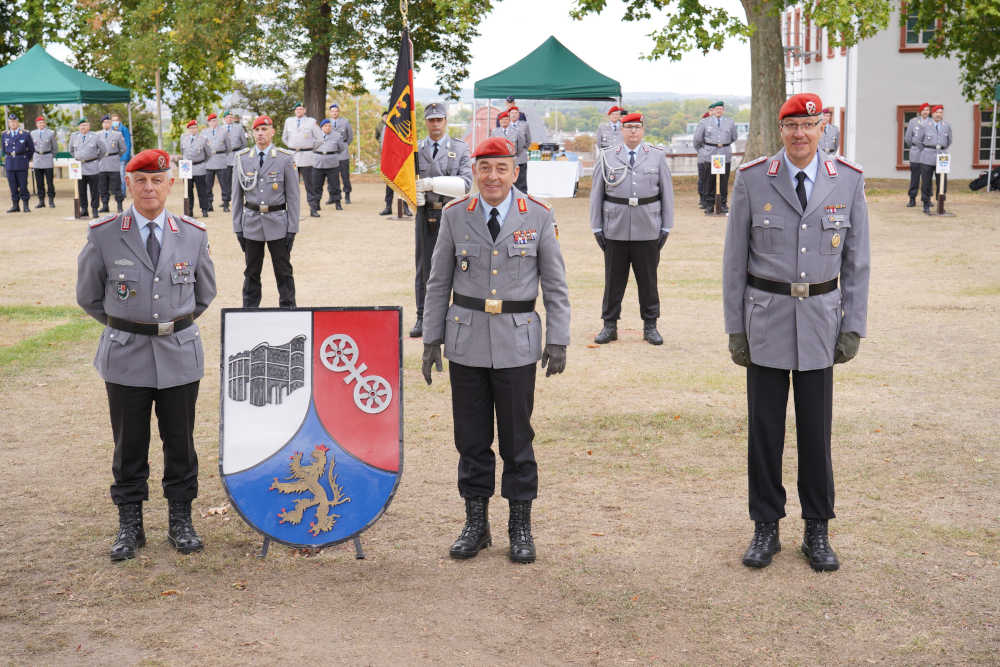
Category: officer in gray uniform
[505,130]
[237,135]
[933,138]
[631,215]
[46,146]
[195,148]
[714,136]
[266,212]
[916,169]
[829,142]
[18,150]
[493,251]
[326,166]
[146,274]
[444,172]
[343,126]
[109,181]
[215,169]
[609,134]
[799,223]
[300,134]
[88,149]
[523,130]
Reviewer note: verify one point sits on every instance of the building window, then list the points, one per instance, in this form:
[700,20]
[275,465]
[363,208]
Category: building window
[808,39]
[910,38]
[903,116]
[982,126]
[798,41]
[819,43]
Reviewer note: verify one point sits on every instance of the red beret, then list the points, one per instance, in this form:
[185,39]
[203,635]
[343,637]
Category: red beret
[828,110]
[150,160]
[262,120]
[503,114]
[937,107]
[632,118]
[211,116]
[192,123]
[40,118]
[494,147]
[614,109]
[705,115]
[925,105]
[512,108]
[803,104]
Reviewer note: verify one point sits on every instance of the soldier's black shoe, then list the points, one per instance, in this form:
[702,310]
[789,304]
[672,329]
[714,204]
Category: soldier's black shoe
[40,204]
[816,547]
[104,209]
[912,203]
[27,207]
[119,207]
[407,213]
[204,213]
[181,533]
[927,209]
[314,213]
[764,545]
[15,208]
[328,201]
[225,207]
[386,211]
[347,197]
[52,202]
[337,206]
[131,535]
[476,534]
[96,213]
[418,327]
[607,334]
[522,546]
[651,335]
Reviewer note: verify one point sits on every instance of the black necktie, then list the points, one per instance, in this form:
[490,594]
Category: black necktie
[261,155]
[800,189]
[494,223]
[631,158]
[152,245]
[435,152]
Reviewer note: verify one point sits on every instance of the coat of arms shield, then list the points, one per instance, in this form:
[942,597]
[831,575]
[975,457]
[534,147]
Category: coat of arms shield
[311,424]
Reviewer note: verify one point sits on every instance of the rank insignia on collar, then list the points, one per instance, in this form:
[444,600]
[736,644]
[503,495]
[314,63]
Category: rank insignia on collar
[172,223]
[126,223]
[121,289]
[472,204]
[772,169]
[831,169]
[768,206]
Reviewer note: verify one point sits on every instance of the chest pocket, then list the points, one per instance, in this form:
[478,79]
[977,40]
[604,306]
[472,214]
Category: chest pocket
[466,259]
[182,286]
[834,235]
[122,286]
[522,260]
[766,233]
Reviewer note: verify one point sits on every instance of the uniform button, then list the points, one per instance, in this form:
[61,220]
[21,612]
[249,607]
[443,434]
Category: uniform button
[465,252]
[802,275]
[111,336]
[493,291]
[155,297]
[456,318]
[836,224]
[803,251]
[803,225]
[801,298]
[494,271]
[522,253]
[751,298]
[156,279]
[156,316]
[496,252]
[767,222]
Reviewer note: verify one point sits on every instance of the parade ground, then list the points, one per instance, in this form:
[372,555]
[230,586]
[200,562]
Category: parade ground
[641,518]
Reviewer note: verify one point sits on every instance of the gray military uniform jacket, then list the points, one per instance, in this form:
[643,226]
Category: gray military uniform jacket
[116,277]
[770,236]
[452,160]
[276,183]
[343,126]
[237,140]
[114,148]
[932,140]
[88,149]
[909,136]
[710,133]
[326,150]
[300,135]
[468,261]
[45,148]
[609,135]
[829,142]
[649,178]
[218,144]
[195,148]
[524,140]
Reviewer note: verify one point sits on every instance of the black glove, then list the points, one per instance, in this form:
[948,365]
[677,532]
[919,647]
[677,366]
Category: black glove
[739,349]
[554,357]
[289,240]
[663,239]
[601,241]
[432,357]
[242,240]
[847,347]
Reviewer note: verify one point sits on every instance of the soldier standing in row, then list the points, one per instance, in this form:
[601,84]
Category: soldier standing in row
[146,275]
[505,130]
[109,180]
[343,127]
[443,172]
[215,169]
[714,136]
[266,212]
[195,148]
[88,149]
[237,137]
[916,169]
[631,215]
[799,222]
[609,134]
[46,146]
[492,253]
[523,130]
[18,150]
[326,166]
[123,159]
[933,138]
[829,143]
[300,134]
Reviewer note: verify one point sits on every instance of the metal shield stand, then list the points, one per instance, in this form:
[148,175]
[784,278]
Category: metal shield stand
[359,553]
[188,203]
[941,195]
[717,206]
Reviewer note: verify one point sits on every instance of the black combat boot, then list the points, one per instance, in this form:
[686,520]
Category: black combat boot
[41,202]
[15,207]
[407,213]
[181,533]
[522,546]
[131,535]
[118,202]
[418,327]
[927,209]
[816,547]
[313,213]
[650,334]
[476,534]
[104,208]
[607,334]
[52,202]
[337,205]
[26,205]
[347,197]
[96,213]
[912,202]
[329,201]
[764,545]
[225,207]
[386,211]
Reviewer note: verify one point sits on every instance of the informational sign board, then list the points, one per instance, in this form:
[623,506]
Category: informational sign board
[718,164]
[943,163]
[184,169]
[75,170]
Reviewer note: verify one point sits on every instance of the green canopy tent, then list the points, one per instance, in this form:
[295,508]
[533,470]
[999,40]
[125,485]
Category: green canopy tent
[38,78]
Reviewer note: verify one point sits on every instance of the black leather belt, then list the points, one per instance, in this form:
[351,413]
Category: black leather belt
[493,306]
[300,150]
[326,152]
[721,145]
[159,329]
[112,154]
[221,152]
[91,160]
[42,152]
[632,201]
[198,162]
[264,208]
[792,289]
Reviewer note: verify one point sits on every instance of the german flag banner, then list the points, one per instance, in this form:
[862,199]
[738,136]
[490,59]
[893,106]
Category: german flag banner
[399,143]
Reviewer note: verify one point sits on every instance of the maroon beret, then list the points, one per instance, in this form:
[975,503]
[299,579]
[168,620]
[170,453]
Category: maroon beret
[494,147]
[262,120]
[192,123]
[803,104]
[151,160]
[211,116]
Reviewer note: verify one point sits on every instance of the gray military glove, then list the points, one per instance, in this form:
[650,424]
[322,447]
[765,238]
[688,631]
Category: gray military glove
[554,357]
[601,241]
[847,347]
[242,241]
[739,349]
[663,240]
[289,240]
[432,357]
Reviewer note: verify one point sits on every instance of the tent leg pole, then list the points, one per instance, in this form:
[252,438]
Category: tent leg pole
[131,132]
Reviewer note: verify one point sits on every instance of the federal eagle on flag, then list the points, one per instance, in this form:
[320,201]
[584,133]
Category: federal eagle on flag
[399,143]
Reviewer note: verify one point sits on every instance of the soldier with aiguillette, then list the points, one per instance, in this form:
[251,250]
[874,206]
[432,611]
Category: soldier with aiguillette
[43,164]
[88,150]
[714,136]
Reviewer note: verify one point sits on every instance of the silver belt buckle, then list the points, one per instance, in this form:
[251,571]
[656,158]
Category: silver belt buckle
[164,328]
[800,289]
[264,208]
[493,306]
[633,201]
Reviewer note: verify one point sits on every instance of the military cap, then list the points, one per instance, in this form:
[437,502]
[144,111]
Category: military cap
[211,116]
[720,103]
[227,112]
[925,105]
[632,118]
[12,116]
[803,104]
[325,121]
[494,147]
[706,115]
[82,121]
[937,107]
[435,110]
[40,118]
[262,120]
[192,123]
[334,106]
[151,160]
[298,104]
[510,98]
[614,109]
[106,116]
[503,114]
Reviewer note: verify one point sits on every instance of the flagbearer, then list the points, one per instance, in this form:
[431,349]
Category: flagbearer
[493,251]
[146,274]
[46,146]
[443,173]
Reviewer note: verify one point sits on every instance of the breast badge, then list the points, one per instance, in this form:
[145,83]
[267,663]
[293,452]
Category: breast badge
[835,241]
[274,186]
[121,289]
[463,265]
[768,207]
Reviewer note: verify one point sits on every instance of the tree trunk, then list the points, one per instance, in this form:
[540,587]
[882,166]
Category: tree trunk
[767,76]
[314,81]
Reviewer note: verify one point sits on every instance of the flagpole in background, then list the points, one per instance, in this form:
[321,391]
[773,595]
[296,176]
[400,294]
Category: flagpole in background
[399,146]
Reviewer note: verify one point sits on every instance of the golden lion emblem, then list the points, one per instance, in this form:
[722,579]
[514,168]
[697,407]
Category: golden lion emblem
[305,479]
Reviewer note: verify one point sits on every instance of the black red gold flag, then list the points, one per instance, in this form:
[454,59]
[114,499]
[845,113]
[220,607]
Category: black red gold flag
[400,139]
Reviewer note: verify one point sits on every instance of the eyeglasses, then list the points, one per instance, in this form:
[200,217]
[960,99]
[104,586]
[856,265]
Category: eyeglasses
[795,127]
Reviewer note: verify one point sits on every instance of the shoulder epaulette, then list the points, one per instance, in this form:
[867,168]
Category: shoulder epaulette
[194,223]
[855,167]
[747,165]
[103,221]
[285,150]
[455,201]
[547,207]
[458,140]
[243,150]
